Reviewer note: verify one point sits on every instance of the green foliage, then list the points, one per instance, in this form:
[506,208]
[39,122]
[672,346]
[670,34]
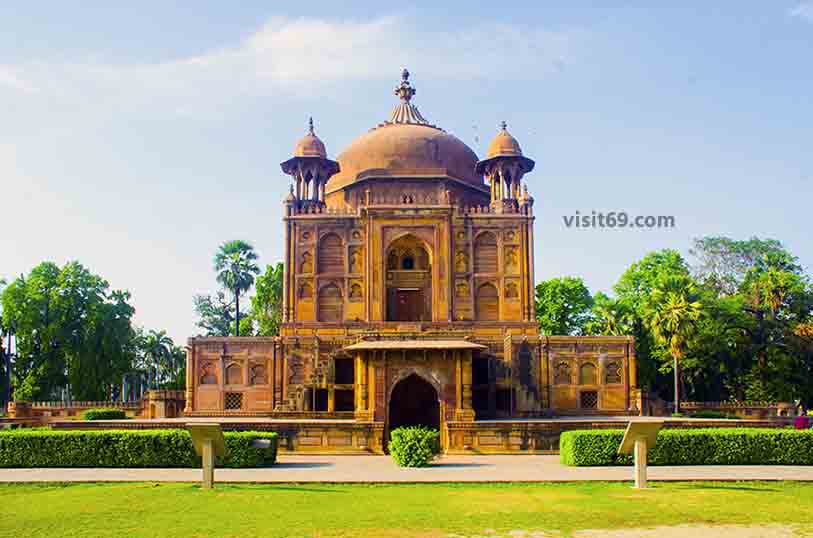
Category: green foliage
[215,314]
[104,414]
[702,446]
[266,304]
[563,306]
[130,448]
[707,413]
[414,446]
[609,317]
[235,266]
[70,328]
[722,262]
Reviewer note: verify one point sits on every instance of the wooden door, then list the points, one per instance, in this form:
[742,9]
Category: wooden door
[408,305]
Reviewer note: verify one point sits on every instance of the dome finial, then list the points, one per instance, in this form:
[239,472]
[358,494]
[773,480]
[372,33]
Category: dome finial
[310,125]
[503,126]
[404,90]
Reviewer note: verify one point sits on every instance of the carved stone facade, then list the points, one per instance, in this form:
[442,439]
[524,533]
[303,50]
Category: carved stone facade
[404,268]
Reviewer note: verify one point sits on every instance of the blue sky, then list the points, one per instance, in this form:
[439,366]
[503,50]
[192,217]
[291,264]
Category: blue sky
[136,137]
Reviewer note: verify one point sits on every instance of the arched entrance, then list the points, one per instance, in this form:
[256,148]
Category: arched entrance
[414,402]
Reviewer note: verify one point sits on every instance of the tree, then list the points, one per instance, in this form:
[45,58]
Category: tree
[157,347]
[632,291]
[235,268]
[71,331]
[266,304]
[563,306]
[722,263]
[215,315]
[609,317]
[672,312]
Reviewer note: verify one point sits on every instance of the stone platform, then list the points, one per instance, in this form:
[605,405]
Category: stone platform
[340,436]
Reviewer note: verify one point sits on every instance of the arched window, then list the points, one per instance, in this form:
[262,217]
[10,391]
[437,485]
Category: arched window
[408,263]
[561,375]
[488,303]
[587,374]
[258,375]
[207,374]
[356,293]
[306,291]
[330,303]
[612,373]
[485,253]
[307,263]
[234,375]
[331,254]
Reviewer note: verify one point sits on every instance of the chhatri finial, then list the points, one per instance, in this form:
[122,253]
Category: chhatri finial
[503,126]
[310,126]
[404,90]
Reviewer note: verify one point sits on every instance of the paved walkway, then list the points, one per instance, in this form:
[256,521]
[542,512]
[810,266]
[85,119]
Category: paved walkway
[293,468]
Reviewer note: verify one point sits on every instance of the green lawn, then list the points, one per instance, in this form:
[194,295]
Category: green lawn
[381,511]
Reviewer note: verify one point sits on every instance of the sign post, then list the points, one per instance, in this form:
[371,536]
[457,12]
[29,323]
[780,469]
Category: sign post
[638,438]
[208,442]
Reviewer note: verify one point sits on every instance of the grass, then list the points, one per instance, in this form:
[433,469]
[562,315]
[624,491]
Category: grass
[388,511]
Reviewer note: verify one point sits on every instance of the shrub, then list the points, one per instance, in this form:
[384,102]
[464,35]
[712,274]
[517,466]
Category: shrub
[104,414]
[702,446]
[707,413]
[414,446]
[125,448]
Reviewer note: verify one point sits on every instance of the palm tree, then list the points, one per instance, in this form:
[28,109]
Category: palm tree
[672,310]
[235,268]
[157,346]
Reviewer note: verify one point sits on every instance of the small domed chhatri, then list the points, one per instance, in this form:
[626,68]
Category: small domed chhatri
[310,169]
[504,167]
[310,145]
[504,144]
[408,300]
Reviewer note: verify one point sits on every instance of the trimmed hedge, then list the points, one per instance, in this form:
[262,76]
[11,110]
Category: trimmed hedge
[125,448]
[701,446]
[104,414]
[414,446]
[707,413]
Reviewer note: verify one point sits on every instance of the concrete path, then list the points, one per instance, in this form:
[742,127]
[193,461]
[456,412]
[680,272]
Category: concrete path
[294,468]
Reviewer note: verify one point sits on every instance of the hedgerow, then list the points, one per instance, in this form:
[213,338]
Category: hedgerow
[104,414]
[702,446]
[125,448]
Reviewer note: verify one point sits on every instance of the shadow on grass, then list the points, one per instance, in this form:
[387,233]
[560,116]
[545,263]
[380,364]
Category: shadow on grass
[457,465]
[732,487]
[277,487]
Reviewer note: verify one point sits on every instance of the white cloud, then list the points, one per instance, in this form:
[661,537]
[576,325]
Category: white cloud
[803,10]
[301,54]
[10,80]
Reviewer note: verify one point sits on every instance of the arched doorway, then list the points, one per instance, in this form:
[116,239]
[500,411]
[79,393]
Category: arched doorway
[414,402]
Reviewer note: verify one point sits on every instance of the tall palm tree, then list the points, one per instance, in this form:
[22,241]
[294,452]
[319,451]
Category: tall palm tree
[157,346]
[672,310]
[235,267]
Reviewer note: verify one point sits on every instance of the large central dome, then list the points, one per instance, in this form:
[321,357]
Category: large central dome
[406,146]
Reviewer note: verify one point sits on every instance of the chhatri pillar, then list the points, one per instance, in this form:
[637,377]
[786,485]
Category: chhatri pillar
[504,167]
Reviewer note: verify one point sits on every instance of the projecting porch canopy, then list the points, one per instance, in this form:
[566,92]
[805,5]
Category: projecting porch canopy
[370,345]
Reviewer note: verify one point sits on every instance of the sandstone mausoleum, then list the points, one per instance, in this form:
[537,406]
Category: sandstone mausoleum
[409,299]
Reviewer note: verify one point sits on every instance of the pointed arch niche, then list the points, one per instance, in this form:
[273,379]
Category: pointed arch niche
[409,280]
